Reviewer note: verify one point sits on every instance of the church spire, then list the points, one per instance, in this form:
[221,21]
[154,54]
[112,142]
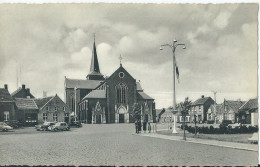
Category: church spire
[94,67]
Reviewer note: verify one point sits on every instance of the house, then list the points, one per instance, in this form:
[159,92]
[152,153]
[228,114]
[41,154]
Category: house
[200,108]
[52,109]
[248,113]
[22,93]
[159,112]
[27,111]
[99,99]
[7,105]
[229,110]
[166,115]
[213,113]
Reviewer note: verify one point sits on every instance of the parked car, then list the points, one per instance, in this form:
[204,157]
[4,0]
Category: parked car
[44,126]
[59,126]
[4,127]
[226,122]
[210,121]
[15,124]
[76,124]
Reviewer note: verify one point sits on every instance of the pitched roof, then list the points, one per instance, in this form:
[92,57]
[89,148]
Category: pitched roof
[5,95]
[16,94]
[23,103]
[235,105]
[42,101]
[143,96]
[250,104]
[138,86]
[96,94]
[78,83]
[201,101]
[16,91]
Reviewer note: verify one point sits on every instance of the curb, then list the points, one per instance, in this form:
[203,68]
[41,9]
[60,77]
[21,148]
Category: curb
[200,141]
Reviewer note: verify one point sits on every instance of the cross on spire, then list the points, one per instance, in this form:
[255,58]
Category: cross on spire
[120,58]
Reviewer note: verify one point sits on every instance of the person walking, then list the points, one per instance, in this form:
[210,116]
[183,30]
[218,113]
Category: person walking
[144,126]
[139,126]
[136,127]
[149,127]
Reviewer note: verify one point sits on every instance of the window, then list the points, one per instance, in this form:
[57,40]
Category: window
[121,90]
[63,108]
[121,75]
[6,115]
[55,108]
[44,116]
[47,108]
[30,117]
[55,117]
[72,103]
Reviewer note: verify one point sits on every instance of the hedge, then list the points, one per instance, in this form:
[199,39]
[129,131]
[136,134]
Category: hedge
[222,129]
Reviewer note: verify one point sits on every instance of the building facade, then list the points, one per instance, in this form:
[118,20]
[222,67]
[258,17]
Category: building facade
[52,109]
[200,108]
[7,105]
[248,113]
[107,100]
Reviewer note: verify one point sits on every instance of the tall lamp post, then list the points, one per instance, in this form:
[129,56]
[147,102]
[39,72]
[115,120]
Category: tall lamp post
[173,47]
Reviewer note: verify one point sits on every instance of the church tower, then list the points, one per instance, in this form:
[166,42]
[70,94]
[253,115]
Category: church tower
[94,73]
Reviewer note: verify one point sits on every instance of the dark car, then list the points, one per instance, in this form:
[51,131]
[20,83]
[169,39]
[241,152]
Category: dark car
[15,124]
[226,122]
[76,124]
[44,126]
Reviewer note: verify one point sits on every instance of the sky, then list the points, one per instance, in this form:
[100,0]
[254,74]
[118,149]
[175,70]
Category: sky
[47,42]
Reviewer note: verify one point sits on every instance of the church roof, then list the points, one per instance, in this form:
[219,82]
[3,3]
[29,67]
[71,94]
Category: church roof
[5,95]
[24,103]
[143,96]
[84,84]
[96,94]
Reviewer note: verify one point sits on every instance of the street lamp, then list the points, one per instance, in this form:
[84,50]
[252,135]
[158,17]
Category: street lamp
[173,47]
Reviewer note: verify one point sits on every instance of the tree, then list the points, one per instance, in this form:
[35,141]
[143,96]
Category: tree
[184,108]
[136,112]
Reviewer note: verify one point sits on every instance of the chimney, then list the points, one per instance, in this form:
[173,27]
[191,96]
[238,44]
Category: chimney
[28,92]
[23,86]
[202,96]
[44,94]
[6,86]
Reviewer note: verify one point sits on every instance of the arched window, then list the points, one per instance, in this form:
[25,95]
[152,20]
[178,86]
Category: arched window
[121,91]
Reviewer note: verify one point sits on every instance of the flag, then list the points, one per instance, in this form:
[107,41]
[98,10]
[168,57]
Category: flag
[177,73]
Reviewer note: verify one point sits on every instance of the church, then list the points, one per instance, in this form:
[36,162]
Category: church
[104,100]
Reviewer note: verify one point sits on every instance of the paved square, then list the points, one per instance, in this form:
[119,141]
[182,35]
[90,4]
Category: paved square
[112,144]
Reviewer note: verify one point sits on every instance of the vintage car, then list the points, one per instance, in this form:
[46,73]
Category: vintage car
[4,127]
[76,124]
[59,126]
[44,126]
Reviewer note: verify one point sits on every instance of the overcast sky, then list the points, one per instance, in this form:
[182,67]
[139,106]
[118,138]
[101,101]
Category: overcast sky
[52,41]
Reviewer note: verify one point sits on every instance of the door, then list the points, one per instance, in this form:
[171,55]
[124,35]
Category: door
[98,119]
[121,118]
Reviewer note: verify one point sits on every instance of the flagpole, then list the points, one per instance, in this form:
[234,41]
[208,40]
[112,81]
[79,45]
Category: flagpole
[173,47]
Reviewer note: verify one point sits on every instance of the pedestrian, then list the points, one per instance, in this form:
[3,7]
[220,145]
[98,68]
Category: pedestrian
[136,127]
[149,127]
[139,126]
[144,126]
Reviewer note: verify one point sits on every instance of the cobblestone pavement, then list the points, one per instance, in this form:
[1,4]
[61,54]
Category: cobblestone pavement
[112,144]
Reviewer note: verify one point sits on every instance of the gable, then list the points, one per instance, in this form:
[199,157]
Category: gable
[120,74]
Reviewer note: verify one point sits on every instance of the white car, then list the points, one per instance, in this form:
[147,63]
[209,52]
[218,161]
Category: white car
[4,127]
[59,126]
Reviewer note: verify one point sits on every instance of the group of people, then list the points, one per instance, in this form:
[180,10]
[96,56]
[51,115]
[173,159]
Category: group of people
[139,125]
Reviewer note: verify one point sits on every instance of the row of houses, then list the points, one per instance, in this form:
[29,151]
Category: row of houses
[22,106]
[206,110]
